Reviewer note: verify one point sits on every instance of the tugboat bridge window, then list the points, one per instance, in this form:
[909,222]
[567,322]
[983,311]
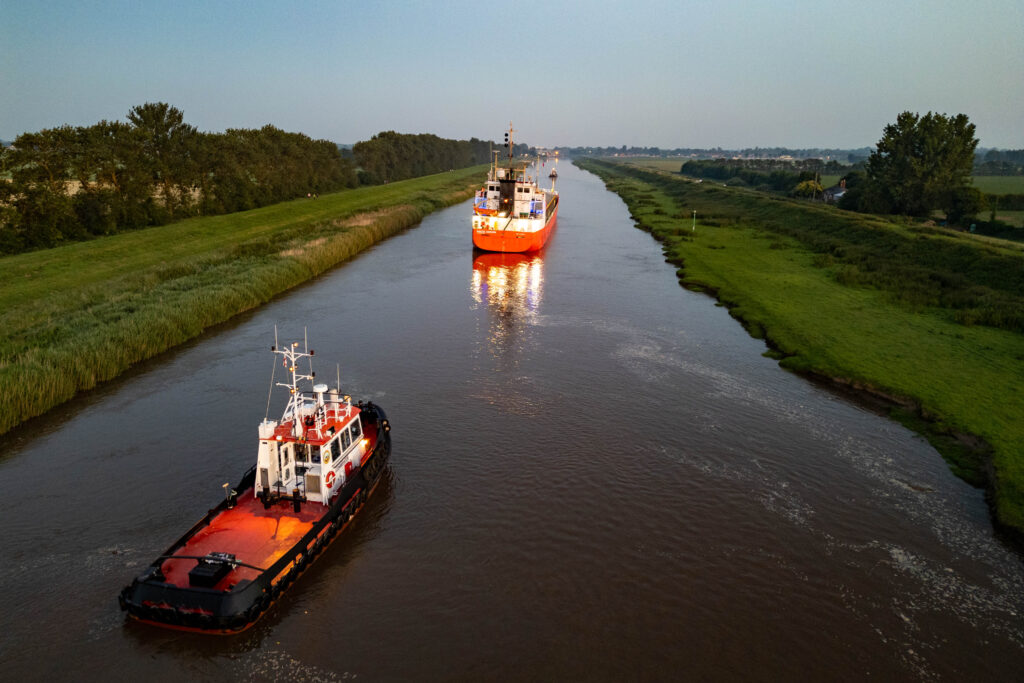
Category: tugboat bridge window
[355,431]
[346,440]
[335,447]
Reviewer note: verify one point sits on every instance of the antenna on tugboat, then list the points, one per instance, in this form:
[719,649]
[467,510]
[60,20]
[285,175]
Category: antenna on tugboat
[273,368]
[305,334]
[270,391]
[339,378]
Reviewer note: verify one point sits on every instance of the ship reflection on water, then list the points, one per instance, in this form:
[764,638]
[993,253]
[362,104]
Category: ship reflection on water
[511,285]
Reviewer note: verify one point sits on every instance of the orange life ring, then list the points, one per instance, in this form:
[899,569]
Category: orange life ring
[330,479]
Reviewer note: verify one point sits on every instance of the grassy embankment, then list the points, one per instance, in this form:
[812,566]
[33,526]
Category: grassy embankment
[884,307]
[79,314]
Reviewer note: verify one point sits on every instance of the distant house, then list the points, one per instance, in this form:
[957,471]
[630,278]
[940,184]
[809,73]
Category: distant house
[831,195]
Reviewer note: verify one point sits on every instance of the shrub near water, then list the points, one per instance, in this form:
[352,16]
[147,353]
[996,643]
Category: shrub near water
[82,314]
[879,305]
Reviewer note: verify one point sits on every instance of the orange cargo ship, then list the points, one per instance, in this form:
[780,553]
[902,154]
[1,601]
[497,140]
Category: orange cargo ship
[512,213]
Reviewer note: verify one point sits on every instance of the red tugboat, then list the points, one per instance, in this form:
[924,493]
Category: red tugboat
[315,468]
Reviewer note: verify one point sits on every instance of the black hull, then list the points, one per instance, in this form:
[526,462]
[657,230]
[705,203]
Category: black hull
[148,598]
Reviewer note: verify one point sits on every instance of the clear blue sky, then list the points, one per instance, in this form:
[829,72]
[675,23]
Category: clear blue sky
[674,73]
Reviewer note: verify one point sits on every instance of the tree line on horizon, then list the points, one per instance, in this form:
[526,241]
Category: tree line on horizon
[703,153]
[986,162]
[391,156]
[920,165]
[73,183]
[788,176]
[999,162]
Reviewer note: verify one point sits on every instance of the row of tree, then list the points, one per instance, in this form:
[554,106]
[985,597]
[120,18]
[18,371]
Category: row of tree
[922,164]
[851,155]
[759,174]
[722,167]
[1000,162]
[72,183]
[391,156]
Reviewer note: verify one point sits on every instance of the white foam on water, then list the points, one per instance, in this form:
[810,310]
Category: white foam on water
[276,665]
[986,594]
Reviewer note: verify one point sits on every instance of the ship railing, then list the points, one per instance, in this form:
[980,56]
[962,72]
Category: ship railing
[302,408]
[339,410]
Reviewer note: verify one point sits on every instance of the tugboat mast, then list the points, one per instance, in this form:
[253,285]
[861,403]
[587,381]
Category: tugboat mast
[293,411]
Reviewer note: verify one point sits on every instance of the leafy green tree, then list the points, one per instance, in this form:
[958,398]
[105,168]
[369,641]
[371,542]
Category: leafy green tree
[10,237]
[807,188]
[41,159]
[167,146]
[965,204]
[922,163]
[40,174]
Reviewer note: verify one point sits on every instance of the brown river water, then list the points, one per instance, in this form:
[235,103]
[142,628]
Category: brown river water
[596,475]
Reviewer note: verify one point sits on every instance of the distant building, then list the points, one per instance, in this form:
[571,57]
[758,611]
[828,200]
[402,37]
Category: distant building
[832,194]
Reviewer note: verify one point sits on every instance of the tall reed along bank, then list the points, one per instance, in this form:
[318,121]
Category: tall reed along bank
[80,314]
[927,318]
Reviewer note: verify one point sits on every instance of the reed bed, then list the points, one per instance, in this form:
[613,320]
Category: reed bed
[82,314]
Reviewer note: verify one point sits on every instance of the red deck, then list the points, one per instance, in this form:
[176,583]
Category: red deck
[253,535]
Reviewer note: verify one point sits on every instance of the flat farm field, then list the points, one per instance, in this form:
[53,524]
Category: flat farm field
[999,184]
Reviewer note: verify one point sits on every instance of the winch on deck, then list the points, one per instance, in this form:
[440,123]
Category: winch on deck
[211,569]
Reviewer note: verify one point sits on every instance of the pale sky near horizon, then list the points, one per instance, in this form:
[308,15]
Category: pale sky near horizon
[666,73]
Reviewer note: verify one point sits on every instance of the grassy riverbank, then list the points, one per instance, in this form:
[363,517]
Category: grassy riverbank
[76,315]
[886,307]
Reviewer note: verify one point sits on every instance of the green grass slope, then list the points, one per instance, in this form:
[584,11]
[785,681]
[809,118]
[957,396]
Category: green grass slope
[80,314]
